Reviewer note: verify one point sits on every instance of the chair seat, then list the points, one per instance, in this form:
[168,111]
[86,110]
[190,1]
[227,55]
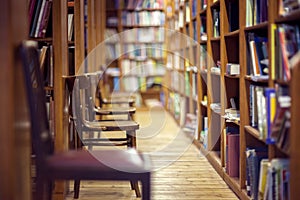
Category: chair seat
[114,110]
[98,165]
[120,125]
[118,100]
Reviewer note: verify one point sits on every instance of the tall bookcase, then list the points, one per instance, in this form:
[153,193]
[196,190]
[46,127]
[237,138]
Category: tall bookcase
[67,56]
[137,55]
[242,85]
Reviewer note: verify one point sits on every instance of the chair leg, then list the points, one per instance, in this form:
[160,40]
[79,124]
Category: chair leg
[76,188]
[135,186]
[146,188]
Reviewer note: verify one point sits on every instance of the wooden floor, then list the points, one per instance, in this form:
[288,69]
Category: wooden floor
[181,171]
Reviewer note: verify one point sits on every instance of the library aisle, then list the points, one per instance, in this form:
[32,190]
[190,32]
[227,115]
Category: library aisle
[189,177]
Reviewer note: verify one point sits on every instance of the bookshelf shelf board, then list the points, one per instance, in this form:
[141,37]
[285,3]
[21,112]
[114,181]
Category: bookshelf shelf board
[48,40]
[143,9]
[203,12]
[233,122]
[143,76]
[263,25]
[153,91]
[203,104]
[200,146]
[233,182]
[290,17]
[215,39]
[143,58]
[214,159]
[215,4]
[111,26]
[203,42]
[151,42]
[243,195]
[175,90]
[232,34]
[282,151]
[141,26]
[48,88]
[253,131]
[256,79]
[180,70]
[194,18]
[232,76]
[282,82]
[112,10]
[216,112]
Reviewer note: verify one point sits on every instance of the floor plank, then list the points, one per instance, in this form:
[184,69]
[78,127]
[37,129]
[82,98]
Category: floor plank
[181,171]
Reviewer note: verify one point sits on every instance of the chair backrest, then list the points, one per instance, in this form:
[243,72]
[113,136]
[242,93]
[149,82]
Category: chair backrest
[83,104]
[42,140]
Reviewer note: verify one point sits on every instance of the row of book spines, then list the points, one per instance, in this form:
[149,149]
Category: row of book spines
[191,81]
[178,82]
[39,12]
[136,51]
[285,43]
[46,64]
[137,35]
[175,103]
[144,68]
[134,83]
[256,12]
[269,112]
[144,18]
[257,56]
[149,34]
[266,179]
[134,4]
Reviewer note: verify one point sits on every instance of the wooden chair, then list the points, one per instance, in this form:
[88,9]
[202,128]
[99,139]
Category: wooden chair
[115,164]
[117,98]
[114,106]
[84,117]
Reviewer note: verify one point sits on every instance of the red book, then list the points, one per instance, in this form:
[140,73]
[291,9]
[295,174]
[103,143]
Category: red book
[233,154]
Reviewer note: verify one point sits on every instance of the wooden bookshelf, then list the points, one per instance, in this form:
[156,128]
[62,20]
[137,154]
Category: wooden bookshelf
[135,23]
[232,45]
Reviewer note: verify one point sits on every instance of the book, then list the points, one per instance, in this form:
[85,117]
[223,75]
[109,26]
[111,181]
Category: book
[233,154]
[277,186]
[253,159]
[270,95]
[35,17]
[264,164]
[281,121]
[40,16]
[232,69]
[70,26]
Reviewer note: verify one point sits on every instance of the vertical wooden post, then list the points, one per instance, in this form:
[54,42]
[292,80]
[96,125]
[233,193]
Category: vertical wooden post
[60,50]
[79,33]
[15,130]
[294,134]
[244,119]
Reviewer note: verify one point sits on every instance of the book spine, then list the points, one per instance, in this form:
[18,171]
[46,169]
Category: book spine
[42,10]
[35,19]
